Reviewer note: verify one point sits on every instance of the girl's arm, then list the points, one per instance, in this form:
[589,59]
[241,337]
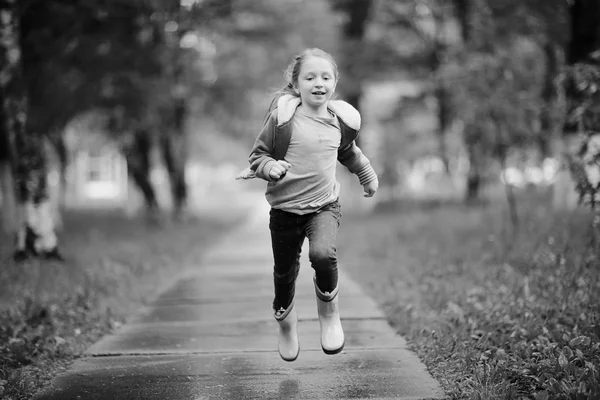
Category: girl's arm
[357,163]
[261,159]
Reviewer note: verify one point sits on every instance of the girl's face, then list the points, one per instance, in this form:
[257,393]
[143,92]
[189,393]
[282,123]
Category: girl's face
[316,83]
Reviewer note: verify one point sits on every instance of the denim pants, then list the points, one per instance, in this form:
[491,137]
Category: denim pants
[288,232]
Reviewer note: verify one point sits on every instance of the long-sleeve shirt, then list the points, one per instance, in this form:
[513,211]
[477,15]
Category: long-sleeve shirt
[310,182]
[286,135]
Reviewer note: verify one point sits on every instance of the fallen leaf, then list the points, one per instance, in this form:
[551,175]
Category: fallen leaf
[562,360]
[567,352]
[580,340]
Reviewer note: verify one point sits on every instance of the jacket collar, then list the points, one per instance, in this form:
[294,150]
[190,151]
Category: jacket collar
[287,105]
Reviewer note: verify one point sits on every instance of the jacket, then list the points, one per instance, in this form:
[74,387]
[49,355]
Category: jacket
[273,141]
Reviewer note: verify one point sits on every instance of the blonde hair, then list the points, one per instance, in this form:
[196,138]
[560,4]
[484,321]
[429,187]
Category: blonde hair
[293,71]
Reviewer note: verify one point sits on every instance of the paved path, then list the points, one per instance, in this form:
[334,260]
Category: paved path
[194,342]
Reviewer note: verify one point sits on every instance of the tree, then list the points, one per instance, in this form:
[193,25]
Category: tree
[431,20]
[121,58]
[488,29]
[476,29]
[35,231]
[356,14]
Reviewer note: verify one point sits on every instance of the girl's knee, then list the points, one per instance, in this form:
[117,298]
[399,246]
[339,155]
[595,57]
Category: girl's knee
[321,255]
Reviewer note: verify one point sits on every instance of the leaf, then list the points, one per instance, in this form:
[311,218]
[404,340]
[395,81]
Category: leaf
[590,366]
[562,360]
[59,340]
[580,340]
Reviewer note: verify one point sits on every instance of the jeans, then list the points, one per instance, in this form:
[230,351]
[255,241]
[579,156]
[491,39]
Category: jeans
[288,232]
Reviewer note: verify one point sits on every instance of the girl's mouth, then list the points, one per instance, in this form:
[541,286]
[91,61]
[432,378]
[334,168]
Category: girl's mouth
[318,93]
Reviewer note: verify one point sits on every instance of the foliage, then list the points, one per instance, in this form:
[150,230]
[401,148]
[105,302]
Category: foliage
[492,312]
[485,63]
[80,56]
[252,49]
[499,94]
[582,81]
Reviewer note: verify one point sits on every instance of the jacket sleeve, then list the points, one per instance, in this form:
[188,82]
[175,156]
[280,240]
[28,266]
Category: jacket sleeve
[261,157]
[357,163]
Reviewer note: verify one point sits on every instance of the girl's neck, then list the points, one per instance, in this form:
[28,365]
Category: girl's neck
[321,112]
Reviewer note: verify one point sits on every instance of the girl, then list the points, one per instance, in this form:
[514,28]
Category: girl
[305,132]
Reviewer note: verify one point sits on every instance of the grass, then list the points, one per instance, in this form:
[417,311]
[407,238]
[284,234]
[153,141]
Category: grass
[494,312]
[50,312]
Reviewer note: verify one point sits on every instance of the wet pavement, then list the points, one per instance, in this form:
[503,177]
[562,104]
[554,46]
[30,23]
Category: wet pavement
[212,336]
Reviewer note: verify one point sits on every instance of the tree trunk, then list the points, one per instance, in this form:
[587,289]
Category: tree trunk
[173,139]
[357,13]
[585,30]
[174,150]
[353,98]
[473,185]
[475,19]
[440,92]
[474,178]
[463,12]
[474,16]
[9,211]
[508,189]
[139,168]
[549,98]
[35,231]
[444,120]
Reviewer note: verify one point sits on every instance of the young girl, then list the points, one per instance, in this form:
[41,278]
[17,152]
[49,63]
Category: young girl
[304,135]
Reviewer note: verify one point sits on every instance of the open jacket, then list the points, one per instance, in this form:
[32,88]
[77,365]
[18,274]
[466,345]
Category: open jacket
[273,141]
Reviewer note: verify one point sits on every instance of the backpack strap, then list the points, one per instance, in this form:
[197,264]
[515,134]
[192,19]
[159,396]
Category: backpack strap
[281,140]
[347,115]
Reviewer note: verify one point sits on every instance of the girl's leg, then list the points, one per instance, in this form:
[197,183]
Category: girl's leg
[287,236]
[322,231]
[322,234]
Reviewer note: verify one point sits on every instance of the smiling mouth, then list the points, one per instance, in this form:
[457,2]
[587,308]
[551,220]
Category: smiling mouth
[318,93]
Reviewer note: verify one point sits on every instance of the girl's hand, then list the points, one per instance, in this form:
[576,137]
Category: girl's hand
[370,188]
[279,169]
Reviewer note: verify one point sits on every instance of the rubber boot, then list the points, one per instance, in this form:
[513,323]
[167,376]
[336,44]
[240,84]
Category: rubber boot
[288,344]
[332,334]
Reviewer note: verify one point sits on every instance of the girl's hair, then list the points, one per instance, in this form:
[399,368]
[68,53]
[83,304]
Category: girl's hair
[293,70]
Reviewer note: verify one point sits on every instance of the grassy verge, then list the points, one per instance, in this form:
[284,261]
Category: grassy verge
[51,312]
[494,312]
